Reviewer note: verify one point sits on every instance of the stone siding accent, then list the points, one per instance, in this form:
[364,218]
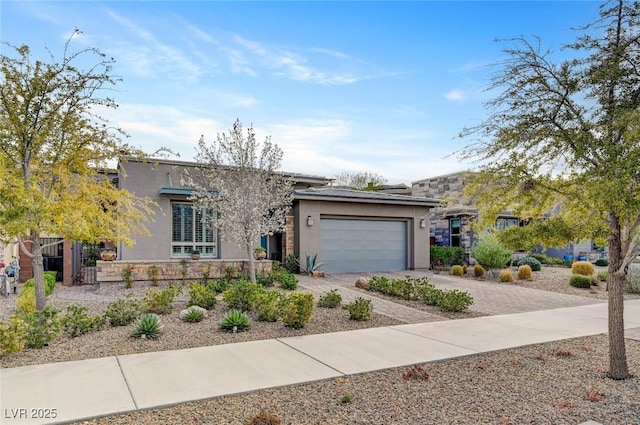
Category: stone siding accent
[111,271]
[288,240]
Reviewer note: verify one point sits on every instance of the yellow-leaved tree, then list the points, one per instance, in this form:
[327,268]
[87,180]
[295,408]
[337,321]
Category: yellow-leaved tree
[54,150]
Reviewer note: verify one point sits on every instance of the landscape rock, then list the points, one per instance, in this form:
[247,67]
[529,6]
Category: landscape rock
[184,312]
[362,282]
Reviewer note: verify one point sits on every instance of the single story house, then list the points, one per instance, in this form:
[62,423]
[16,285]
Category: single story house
[350,230]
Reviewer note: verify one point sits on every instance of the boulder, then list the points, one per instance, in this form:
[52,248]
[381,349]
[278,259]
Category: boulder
[362,282]
[193,307]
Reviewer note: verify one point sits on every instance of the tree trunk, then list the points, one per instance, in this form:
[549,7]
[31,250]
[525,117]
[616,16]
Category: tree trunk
[252,264]
[37,264]
[617,350]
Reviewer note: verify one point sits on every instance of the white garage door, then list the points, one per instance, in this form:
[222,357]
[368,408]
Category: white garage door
[363,245]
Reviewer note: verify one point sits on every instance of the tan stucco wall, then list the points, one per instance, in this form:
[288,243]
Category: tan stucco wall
[145,180]
[308,237]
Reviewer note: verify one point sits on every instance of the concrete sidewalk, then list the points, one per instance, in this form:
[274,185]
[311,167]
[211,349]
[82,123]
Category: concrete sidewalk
[72,391]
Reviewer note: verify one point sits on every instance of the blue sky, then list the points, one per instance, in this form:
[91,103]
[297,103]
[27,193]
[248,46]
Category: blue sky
[340,86]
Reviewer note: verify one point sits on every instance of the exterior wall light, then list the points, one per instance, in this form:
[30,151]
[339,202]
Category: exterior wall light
[423,223]
[309,220]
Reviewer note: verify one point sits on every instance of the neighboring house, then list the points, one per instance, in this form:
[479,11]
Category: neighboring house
[351,231]
[450,224]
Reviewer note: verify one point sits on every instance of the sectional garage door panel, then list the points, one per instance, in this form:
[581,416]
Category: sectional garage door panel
[363,245]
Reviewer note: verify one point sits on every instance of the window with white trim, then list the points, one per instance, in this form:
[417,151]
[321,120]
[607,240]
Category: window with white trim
[454,231]
[189,233]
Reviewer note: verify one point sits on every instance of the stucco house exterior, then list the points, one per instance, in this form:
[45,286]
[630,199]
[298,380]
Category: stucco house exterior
[351,231]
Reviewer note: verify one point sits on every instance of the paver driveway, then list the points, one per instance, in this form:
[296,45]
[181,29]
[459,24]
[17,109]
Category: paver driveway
[489,297]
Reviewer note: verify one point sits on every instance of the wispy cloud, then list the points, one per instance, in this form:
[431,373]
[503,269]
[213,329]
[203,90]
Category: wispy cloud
[456,95]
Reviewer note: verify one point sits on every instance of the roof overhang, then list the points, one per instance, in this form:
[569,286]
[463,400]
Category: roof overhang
[357,196]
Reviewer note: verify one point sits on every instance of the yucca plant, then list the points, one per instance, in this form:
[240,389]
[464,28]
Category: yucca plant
[311,265]
[235,321]
[148,326]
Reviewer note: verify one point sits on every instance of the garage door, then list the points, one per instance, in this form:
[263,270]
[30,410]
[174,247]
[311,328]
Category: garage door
[363,245]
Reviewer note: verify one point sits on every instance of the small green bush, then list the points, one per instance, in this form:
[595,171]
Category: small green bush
[409,288]
[524,272]
[532,262]
[148,326]
[77,322]
[478,270]
[297,310]
[235,321]
[49,283]
[633,279]
[193,315]
[489,252]
[13,335]
[26,302]
[506,275]
[291,263]
[359,309]
[202,296]
[154,274]
[265,280]
[541,257]
[122,312]
[457,270]
[44,325]
[242,295]
[160,302]
[127,276]
[269,305]
[331,299]
[580,281]
[602,262]
[455,300]
[602,276]
[584,268]
[431,295]
[287,280]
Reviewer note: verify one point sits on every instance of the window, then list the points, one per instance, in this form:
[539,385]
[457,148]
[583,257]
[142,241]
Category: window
[454,231]
[189,233]
[503,223]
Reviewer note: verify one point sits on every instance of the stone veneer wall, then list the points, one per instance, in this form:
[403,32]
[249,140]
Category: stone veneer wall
[288,243]
[111,271]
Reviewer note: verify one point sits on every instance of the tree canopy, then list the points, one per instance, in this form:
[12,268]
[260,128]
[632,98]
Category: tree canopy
[239,179]
[55,153]
[364,180]
[561,146]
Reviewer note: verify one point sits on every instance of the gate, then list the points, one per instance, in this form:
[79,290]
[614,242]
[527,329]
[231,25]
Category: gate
[83,263]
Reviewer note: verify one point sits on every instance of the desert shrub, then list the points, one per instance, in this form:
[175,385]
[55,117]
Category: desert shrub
[580,281]
[297,310]
[43,326]
[127,276]
[218,285]
[506,275]
[584,268]
[454,300]
[160,302]
[13,335]
[478,270]
[235,321]
[154,274]
[633,279]
[269,305]
[202,296]
[26,302]
[444,256]
[431,295]
[602,262]
[265,280]
[264,418]
[49,283]
[122,312]
[531,262]
[489,252]
[241,295]
[77,322]
[552,261]
[193,315]
[287,280]
[524,272]
[457,270]
[148,326]
[409,288]
[602,276]
[359,309]
[331,299]
[543,258]
[291,263]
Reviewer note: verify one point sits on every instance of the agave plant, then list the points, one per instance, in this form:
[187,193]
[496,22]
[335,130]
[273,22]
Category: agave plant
[235,321]
[312,264]
[148,326]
